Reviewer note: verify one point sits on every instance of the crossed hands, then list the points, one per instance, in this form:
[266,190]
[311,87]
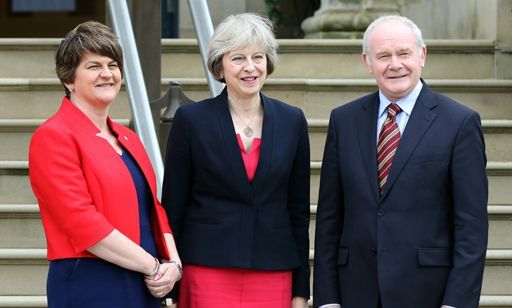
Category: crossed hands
[163,281]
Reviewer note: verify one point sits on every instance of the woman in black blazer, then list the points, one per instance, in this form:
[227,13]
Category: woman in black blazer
[236,184]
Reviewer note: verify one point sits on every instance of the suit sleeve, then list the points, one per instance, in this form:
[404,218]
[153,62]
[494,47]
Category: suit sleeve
[178,173]
[470,193]
[298,205]
[178,177]
[329,223]
[57,179]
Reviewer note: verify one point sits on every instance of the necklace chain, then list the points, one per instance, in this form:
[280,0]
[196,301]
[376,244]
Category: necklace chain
[248,132]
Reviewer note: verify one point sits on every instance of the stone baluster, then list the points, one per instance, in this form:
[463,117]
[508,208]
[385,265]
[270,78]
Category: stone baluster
[346,19]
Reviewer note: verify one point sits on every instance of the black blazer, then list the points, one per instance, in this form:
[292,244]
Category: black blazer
[423,242]
[218,217]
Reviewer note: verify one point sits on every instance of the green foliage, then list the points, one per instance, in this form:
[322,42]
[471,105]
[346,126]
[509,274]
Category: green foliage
[273,11]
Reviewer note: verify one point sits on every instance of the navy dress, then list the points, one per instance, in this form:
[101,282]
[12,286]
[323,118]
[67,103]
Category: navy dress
[90,282]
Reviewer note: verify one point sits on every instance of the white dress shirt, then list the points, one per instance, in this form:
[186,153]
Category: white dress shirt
[406,104]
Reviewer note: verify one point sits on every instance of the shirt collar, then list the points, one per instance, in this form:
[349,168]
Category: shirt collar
[406,103]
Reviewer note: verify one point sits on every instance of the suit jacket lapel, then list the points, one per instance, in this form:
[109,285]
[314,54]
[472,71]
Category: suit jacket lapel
[228,135]
[367,132]
[420,120]
[267,141]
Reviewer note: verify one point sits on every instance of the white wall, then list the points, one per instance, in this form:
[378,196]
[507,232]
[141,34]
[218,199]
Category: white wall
[454,19]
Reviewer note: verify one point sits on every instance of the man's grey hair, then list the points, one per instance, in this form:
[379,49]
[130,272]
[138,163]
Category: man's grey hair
[384,19]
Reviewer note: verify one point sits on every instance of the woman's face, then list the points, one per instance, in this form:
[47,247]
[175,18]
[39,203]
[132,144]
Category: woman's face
[97,81]
[245,71]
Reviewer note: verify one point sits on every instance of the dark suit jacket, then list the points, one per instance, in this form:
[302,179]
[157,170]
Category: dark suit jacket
[219,218]
[423,242]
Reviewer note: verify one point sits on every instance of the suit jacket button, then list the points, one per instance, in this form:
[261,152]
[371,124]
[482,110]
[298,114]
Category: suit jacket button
[373,251]
[380,212]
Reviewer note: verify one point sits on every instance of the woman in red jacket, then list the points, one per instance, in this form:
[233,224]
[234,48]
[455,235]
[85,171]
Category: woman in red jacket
[106,231]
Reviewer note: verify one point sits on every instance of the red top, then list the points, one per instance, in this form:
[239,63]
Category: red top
[250,158]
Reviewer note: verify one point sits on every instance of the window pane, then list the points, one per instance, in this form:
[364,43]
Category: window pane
[21,6]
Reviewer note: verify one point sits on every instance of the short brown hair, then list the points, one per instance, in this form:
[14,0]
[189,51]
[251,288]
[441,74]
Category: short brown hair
[90,36]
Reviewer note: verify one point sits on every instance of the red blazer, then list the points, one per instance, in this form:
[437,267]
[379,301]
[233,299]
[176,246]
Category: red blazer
[83,187]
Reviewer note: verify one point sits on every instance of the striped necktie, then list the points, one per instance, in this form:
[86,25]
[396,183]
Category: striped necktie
[389,138]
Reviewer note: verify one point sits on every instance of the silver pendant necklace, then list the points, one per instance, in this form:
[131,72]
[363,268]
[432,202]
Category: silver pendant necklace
[248,132]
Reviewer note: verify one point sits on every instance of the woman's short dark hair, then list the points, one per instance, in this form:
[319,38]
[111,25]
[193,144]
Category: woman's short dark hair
[238,31]
[90,36]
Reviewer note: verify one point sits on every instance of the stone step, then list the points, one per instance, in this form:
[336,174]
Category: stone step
[15,185]
[18,264]
[23,271]
[38,301]
[317,97]
[495,301]
[500,226]
[23,301]
[497,135]
[305,58]
[342,59]
[21,226]
[497,272]
[39,98]
[15,138]
[498,173]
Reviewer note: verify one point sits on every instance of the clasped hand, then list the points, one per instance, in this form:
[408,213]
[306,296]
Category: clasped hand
[163,281]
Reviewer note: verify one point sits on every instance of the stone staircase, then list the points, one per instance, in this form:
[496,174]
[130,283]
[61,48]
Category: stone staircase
[315,75]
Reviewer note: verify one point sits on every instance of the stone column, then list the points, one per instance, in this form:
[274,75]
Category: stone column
[503,61]
[346,19]
[147,27]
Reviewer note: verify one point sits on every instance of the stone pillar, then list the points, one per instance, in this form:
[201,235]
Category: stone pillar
[346,19]
[503,61]
[146,19]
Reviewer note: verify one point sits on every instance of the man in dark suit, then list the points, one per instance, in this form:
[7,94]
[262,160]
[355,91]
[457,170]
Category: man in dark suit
[402,212]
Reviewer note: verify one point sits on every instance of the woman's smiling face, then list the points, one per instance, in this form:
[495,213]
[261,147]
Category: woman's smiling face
[245,71]
[97,80]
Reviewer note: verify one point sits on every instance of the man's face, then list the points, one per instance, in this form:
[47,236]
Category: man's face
[394,60]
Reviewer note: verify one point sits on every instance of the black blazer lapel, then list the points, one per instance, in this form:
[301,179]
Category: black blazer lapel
[420,120]
[367,132]
[233,156]
[267,144]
